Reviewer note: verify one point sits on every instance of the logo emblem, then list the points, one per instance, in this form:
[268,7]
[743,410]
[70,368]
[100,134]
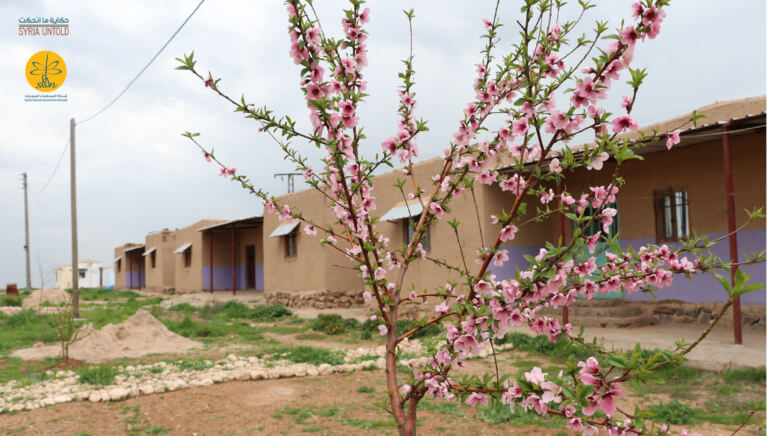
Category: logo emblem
[46,71]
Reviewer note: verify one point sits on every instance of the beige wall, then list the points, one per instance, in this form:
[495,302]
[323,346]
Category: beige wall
[162,275]
[699,168]
[120,274]
[190,279]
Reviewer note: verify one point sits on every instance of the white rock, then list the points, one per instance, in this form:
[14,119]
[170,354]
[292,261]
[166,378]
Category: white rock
[206,382]
[82,395]
[273,373]
[243,376]
[325,369]
[118,394]
[231,357]
[146,389]
[313,371]
[62,399]
[95,396]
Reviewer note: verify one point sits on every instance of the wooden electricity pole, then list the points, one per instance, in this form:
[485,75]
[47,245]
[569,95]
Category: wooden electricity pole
[73,197]
[26,231]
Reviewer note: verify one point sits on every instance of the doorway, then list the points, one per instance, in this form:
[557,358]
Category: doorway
[250,266]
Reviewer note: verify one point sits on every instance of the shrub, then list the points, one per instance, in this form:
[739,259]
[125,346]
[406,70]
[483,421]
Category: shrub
[333,324]
[269,312]
[98,375]
[307,354]
[405,325]
[231,309]
[10,301]
[676,412]
[751,375]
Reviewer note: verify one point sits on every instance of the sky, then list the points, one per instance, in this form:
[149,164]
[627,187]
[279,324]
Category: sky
[136,174]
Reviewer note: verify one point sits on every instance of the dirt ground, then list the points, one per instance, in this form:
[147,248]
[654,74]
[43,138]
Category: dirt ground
[330,405]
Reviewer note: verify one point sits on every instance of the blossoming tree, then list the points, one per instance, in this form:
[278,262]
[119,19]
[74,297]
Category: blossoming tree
[522,86]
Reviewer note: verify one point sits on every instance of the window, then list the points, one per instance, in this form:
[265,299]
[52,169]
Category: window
[119,261]
[82,272]
[290,244]
[597,226]
[152,259]
[671,210]
[409,228]
[187,257]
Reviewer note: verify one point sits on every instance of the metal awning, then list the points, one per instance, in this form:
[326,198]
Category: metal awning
[134,248]
[402,211]
[243,223]
[183,248]
[284,229]
[117,259]
[148,252]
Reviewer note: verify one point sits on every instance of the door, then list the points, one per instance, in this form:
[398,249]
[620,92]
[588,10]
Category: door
[250,266]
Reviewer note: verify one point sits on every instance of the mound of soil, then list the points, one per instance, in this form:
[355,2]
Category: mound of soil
[139,335]
[197,299]
[51,295]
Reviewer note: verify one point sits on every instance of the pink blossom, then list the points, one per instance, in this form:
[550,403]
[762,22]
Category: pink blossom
[483,288]
[597,162]
[520,126]
[383,329]
[436,210]
[486,23]
[379,273]
[207,157]
[365,17]
[466,344]
[624,122]
[535,376]
[555,167]
[673,138]
[442,307]
[474,399]
[508,233]
[367,297]
[500,257]
[310,230]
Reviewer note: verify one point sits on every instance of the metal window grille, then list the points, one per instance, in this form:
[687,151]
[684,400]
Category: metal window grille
[671,212]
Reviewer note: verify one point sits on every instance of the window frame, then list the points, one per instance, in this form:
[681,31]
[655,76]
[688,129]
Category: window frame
[596,224]
[119,264]
[666,209]
[291,244]
[409,229]
[152,260]
[188,258]
[82,272]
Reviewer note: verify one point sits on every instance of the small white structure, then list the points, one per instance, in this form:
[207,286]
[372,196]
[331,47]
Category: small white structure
[90,275]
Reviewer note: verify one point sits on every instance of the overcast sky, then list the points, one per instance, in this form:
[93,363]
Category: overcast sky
[136,174]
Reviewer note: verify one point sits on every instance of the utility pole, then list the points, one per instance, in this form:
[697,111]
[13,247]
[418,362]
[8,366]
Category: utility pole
[73,197]
[289,176]
[26,231]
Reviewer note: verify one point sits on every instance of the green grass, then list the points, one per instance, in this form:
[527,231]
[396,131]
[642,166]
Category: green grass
[497,413]
[307,354]
[25,372]
[193,365]
[106,294]
[365,390]
[24,329]
[6,300]
[749,375]
[213,330]
[98,375]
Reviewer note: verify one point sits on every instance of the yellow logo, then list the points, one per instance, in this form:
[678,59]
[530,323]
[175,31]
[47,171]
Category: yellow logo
[46,71]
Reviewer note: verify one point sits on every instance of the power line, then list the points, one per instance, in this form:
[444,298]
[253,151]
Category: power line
[66,146]
[145,67]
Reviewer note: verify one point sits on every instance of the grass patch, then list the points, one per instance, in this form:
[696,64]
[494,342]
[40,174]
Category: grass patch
[749,375]
[675,412]
[98,375]
[193,365]
[106,294]
[209,329]
[307,354]
[365,390]
[333,324]
[24,329]
[497,413]
[6,300]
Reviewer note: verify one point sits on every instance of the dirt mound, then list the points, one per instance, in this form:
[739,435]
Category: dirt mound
[137,336]
[197,299]
[51,295]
